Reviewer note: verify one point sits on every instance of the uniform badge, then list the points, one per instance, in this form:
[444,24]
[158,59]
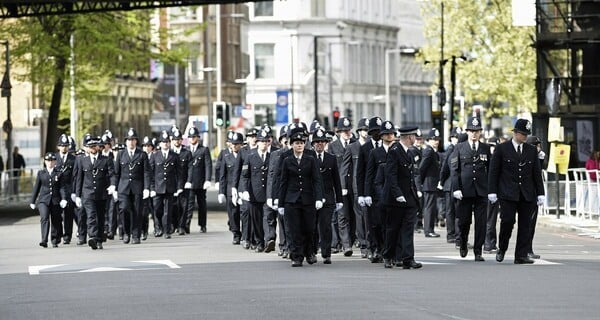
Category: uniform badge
[475,122]
[416,158]
[378,121]
[346,122]
[528,125]
[263,133]
[64,139]
[130,133]
[436,133]
[458,130]
[319,133]
[388,125]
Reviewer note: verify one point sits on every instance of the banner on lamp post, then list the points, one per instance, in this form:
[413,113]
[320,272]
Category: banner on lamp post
[281,107]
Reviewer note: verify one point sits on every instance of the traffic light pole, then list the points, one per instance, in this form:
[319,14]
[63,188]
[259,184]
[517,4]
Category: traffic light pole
[7,125]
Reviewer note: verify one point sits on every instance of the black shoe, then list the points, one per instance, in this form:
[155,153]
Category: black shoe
[144,236]
[312,259]
[246,245]
[296,263]
[492,250]
[285,255]
[181,232]
[135,241]
[524,260]
[532,255]
[54,245]
[100,246]
[203,229]
[469,246]
[44,244]
[236,241]
[327,260]
[270,246]
[478,257]
[418,229]
[80,242]
[126,239]
[411,265]
[463,251]
[260,248]
[363,253]
[348,252]
[335,250]
[110,236]
[167,236]
[500,255]
[451,240]
[93,244]
[432,235]
[66,241]
[280,253]
[387,263]
[456,245]
[121,237]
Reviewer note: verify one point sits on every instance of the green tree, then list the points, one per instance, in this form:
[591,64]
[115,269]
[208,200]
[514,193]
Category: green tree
[105,45]
[501,69]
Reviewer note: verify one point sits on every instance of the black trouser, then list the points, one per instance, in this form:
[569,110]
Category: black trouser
[322,238]
[376,233]
[450,212]
[50,217]
[490,233]
[532,228]
[344,218]
[336,239]
[245,221]
[362,230]
[68,218]
[233,213]
[130,207]
[300,222]
[148,213]
[256,220]
[198,196]
[508,212]
[399,233]
[180,212]
[430,211]
[111,216]
[284,234]
[163,207]
[81,222]
[419,220]
[269,223]
[475,206]
[95,211]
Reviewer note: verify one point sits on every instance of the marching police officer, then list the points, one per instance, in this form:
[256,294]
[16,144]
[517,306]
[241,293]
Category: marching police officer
[469,165]
[148,211]
[332,191]
[445,185]
[198,179]
[401,202]
[515,180]
[132,172]
[272,191]
[112,211]
[491,236]
[94,181]
[65,161]
[50,187]
[230,166]
[244,206]
[165,182]
[429,174]
[536,142]
[301,194]
[180,212]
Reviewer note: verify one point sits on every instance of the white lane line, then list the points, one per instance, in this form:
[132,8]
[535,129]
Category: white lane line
[36,269]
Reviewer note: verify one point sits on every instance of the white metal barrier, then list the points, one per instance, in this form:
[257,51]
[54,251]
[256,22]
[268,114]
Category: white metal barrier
[579,195]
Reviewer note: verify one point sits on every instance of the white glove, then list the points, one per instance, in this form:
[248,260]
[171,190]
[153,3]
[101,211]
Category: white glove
[276,203]
[221,198]
[541,200]
[318,204]
[493,197]
[179,191]
[152,194]
[234,196]
[541,155]
[115,196]
[32,206]
[73,196]
[344,192]
[368,201]
[457,194]
[206,185]
[145,194]
[401,199]
[239,201]
[245,196]
[217,185]
[338,206]
[63,203]
[281,211]
[78,202]
[361,201]
[111,189]
[419,194]
[439,186]
[188,185]
[270,203]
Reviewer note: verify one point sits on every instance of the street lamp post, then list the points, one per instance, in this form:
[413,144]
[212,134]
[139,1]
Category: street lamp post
[7,125]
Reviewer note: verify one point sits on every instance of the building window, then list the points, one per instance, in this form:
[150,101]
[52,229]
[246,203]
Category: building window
[263,9]
[264,67]
[317,8]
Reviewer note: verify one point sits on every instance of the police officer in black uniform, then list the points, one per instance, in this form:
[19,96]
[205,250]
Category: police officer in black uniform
[301,194]
[94,181]
[112,207]
[165,182]
[148,211]
[448,209]
[230,167]
[198,179]
[50,186]
[65,161]
[132,171]
[491,236]
[272,192]
[469,165]
[515,180]
[401,202]
[179,219]
[429,174]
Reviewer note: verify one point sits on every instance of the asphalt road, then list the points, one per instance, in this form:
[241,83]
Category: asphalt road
[203,276]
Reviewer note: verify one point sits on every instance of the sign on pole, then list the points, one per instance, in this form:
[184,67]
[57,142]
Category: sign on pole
[281,107]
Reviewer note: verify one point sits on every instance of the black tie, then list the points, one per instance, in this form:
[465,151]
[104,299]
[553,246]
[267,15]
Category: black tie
[262,156]
[320,158]
[519,149]
[345,144]
[93,160]
[299,159]
[474,147]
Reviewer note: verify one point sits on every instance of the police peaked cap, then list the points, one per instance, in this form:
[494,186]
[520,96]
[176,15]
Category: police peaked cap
[523,126]
[164,137]
[474,124]
[252,132]
[50,156]
[387,127]
[344,124]
[375,124]
[408,130]
[193,132]
[363,124]
[320,135]
[434,134]
[263,135]
[131,134]
[63,140]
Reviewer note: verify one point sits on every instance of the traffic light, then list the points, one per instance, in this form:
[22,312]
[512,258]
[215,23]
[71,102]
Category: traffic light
[336,117]
[228,110]
[219,111]
[349,113]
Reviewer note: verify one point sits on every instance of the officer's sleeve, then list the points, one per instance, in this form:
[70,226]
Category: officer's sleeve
[337,185]
[424,165]
[36,188]
[361,164]
[151,168]
[207,165]
[111,173]
[245,176]
[218,165]
[537,177]
[62,187]
[271,173]
[77,177]
[179,172]
[345,170]
[283,186]
[317,181]
[494,172]
[391,173]
[147,172]
[455,166]
[117,166]
[371,172]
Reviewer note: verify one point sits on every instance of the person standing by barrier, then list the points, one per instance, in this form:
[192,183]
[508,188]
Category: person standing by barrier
[515,180]
[18,168]
[50,187]
[592,164]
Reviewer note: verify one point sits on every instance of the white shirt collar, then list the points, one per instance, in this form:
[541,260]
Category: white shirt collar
[516,145]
